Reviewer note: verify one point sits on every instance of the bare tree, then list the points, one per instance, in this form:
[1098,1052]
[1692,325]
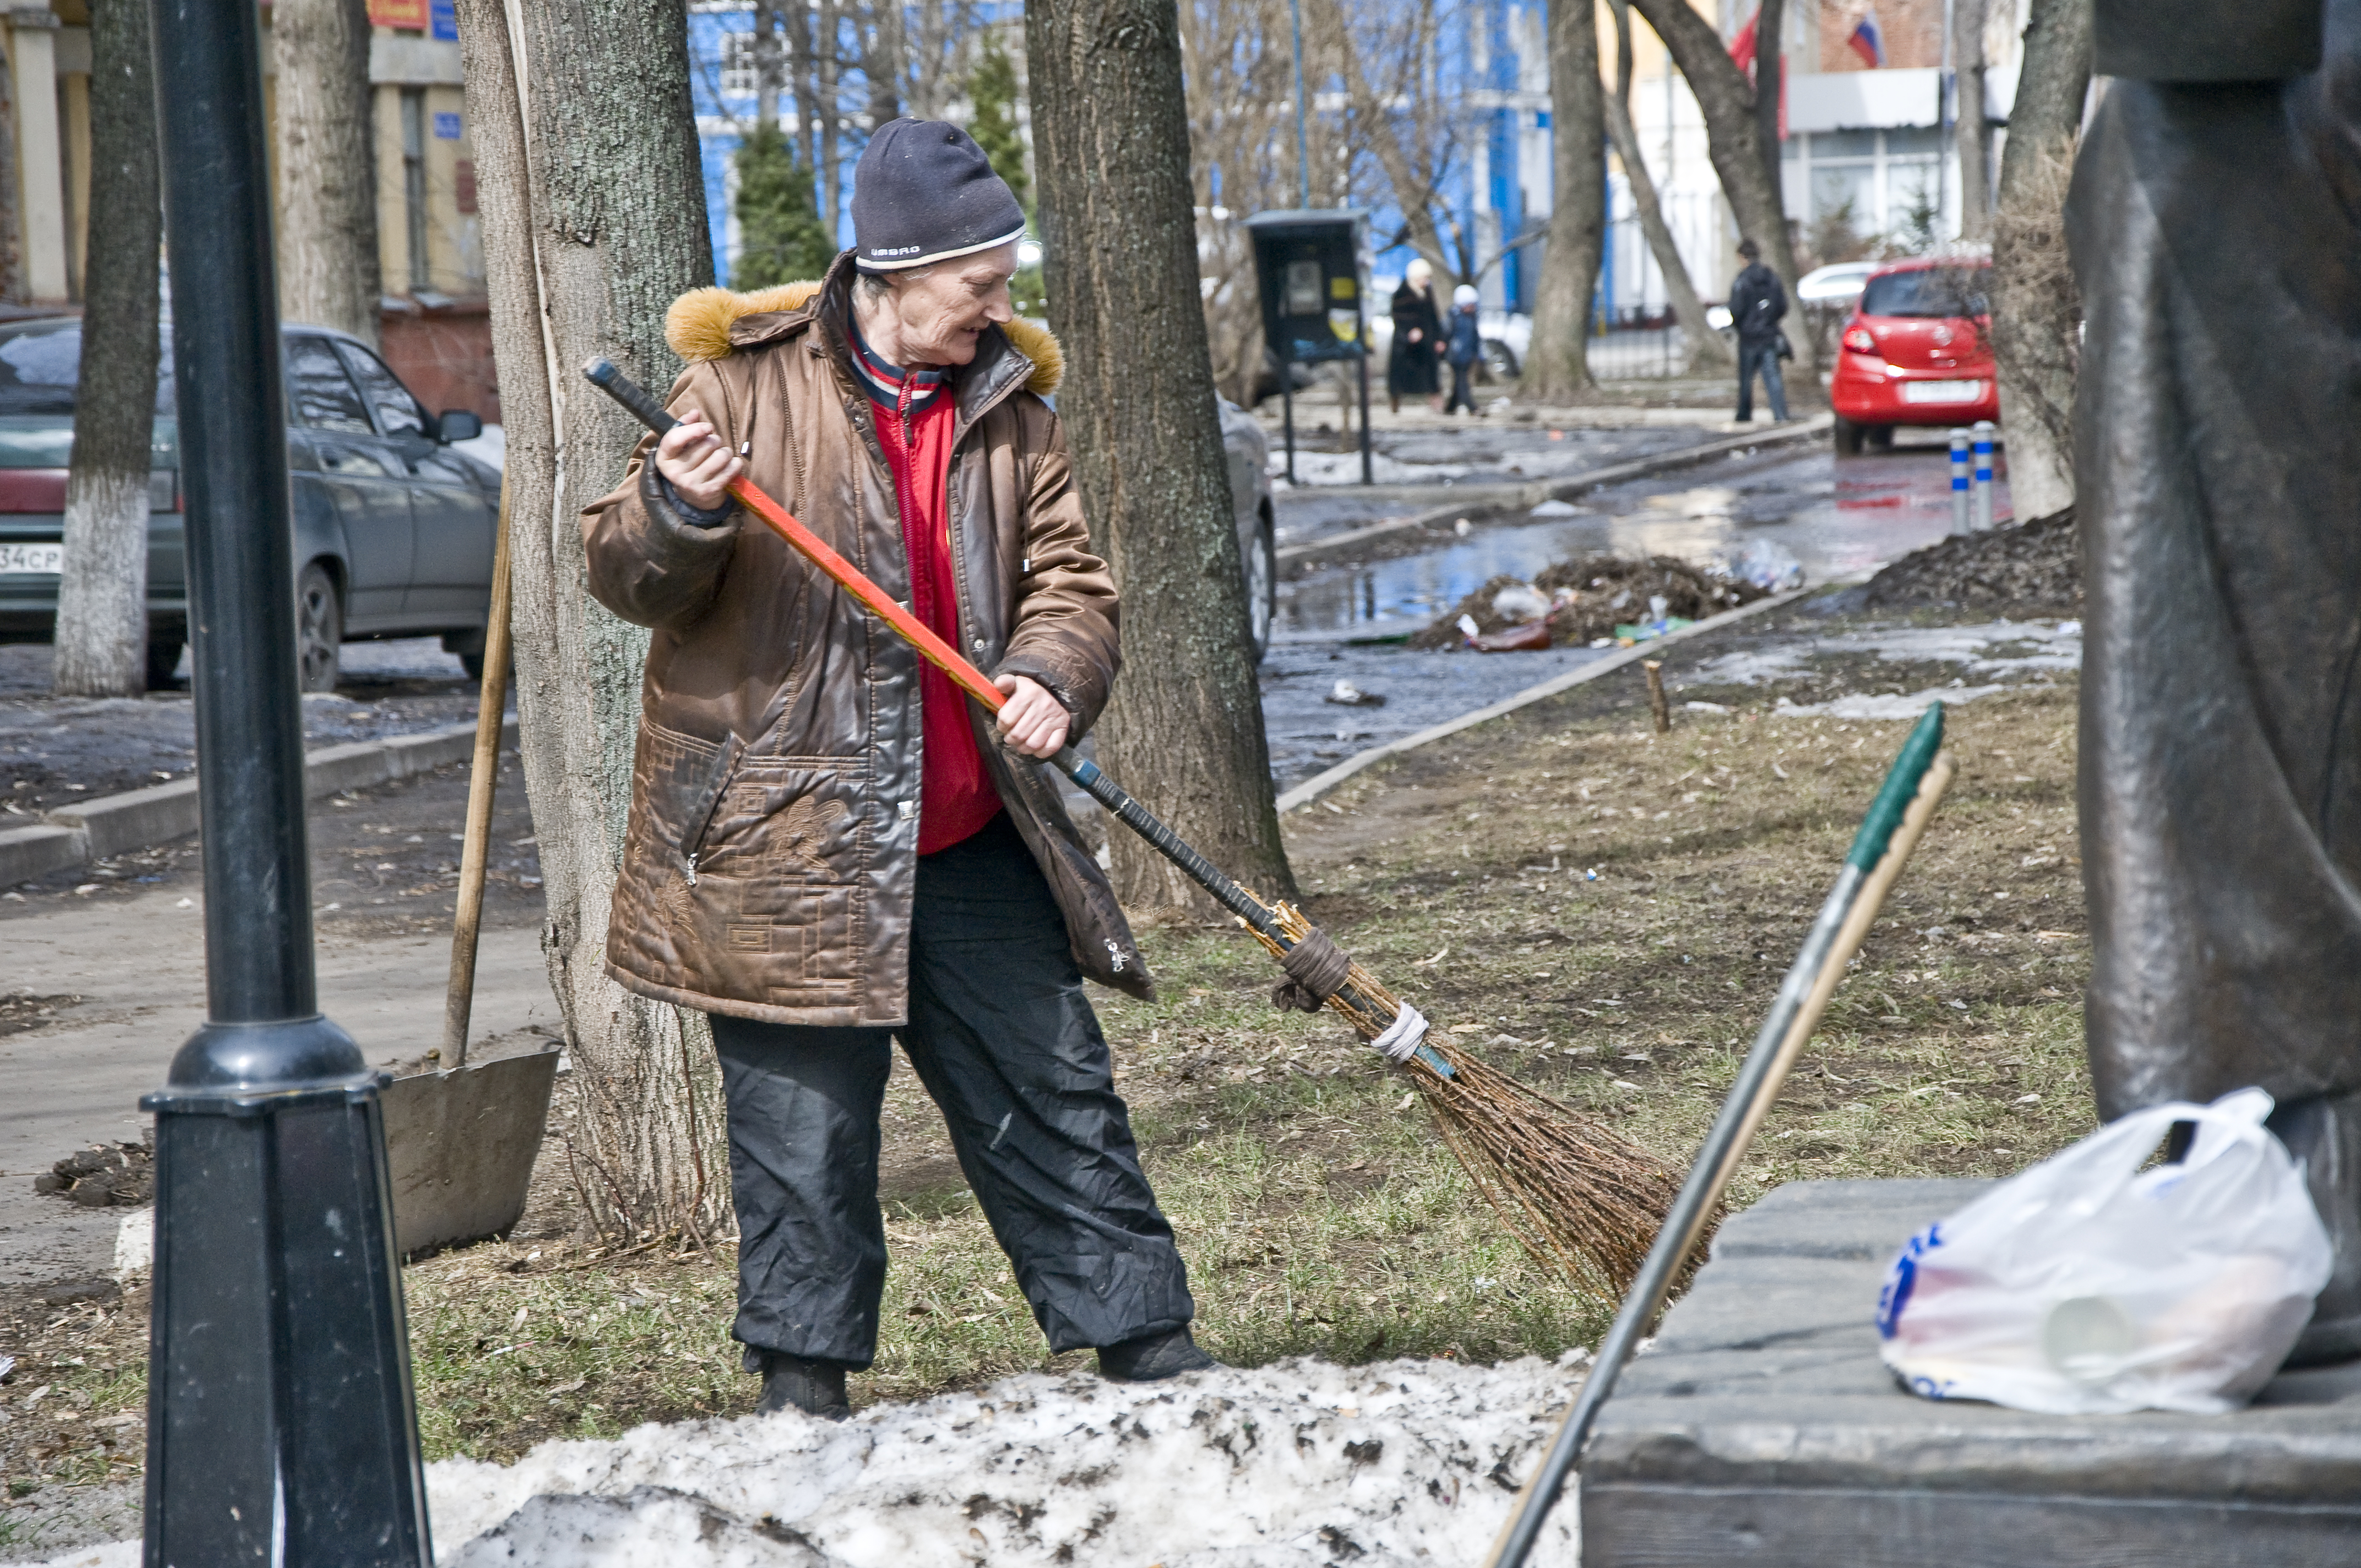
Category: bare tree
[1973,133]
[327,182]
[1237,63]
[1558,367]
[1706,350]
[1185,730]
[594,222]
[102,631]
[1411,126]
[1737,125]
[762,50]
[2037,312]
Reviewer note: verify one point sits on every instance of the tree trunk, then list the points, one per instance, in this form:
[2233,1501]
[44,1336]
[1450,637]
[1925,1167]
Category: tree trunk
[831,178]
[2037,312]
[1706,350]
[1974,135]
[764,48]
[1557,368]
[1733,138]
[1770,62]
[594,222]
[804,74]
[102,631]
[327,177]
[1184,731]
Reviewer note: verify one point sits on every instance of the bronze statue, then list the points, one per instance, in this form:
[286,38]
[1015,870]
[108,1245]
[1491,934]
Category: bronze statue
[2216,229]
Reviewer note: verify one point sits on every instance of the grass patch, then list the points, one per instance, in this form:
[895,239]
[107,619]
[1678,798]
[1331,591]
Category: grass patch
[1603,912]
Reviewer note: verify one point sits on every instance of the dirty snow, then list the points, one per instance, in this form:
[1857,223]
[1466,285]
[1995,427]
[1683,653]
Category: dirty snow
[1887,705]
[2014,648]
[1292,1465]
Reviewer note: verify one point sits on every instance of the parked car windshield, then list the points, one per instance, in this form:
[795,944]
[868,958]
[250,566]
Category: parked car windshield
[40,364]
[1928,291]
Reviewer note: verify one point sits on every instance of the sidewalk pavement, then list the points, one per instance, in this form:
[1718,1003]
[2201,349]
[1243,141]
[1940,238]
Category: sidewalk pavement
[139,967]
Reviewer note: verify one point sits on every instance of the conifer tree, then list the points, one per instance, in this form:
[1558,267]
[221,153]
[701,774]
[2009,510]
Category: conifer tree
[992,88]
[780,236]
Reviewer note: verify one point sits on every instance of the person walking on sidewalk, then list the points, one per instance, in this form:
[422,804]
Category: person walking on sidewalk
[1417,346]
[830,846]
[1464,346]
[1757,302]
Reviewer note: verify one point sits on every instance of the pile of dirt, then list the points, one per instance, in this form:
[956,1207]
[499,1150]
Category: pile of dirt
[123,1175]
[2025,565]
[1589,597]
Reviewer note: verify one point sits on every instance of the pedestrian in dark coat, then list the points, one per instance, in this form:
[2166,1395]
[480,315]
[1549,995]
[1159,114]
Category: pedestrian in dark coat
[830,846]
[1417,338]
[1462,347]
[1757,302]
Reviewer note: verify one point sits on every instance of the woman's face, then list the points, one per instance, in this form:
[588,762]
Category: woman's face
[1420,274]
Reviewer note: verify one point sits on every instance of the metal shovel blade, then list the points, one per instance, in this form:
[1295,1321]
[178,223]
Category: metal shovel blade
[460,1147]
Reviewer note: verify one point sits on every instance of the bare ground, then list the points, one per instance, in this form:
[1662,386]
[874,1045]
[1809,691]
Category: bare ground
[1603,911]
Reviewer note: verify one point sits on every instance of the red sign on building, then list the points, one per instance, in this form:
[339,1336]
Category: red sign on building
[409,14]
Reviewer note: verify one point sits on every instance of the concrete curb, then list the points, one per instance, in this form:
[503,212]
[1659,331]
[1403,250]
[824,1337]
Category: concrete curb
[1512,497]
[1312,788]
[135,819]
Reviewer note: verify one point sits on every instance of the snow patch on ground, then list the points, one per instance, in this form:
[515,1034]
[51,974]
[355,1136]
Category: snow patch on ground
[1292,1465]
[1314,468]
[2009,647]
[1892,705]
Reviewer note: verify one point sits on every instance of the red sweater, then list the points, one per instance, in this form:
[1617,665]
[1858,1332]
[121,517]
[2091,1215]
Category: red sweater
[956,797]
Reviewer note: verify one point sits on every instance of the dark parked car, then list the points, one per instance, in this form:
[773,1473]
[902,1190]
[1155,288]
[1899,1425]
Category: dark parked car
[393,527]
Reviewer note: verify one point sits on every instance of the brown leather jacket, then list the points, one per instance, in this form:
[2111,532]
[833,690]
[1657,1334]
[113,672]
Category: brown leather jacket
[770,855]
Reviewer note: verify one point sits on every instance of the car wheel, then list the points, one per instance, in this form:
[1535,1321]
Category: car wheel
[1500,360]
[1848,435]
[163,664]
[319,630]
[474,665]
[1262,589]
[1881,437]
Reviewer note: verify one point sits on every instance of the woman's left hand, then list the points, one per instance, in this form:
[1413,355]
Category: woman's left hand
[1032,720]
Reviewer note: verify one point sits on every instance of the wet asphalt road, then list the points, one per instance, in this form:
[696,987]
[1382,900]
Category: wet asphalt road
[1836,517]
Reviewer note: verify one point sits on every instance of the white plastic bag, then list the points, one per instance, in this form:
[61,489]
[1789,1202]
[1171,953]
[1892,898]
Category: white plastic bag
[2088,1286]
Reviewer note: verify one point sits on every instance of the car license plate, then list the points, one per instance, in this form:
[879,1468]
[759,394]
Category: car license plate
[17,559]
[1942,391]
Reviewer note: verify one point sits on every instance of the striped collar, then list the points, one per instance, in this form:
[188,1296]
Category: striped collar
[906,392]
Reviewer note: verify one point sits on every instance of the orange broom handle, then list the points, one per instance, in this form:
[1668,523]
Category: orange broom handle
[604,375]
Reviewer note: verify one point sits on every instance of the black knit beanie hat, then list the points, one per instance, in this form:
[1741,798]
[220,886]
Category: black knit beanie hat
[925,192]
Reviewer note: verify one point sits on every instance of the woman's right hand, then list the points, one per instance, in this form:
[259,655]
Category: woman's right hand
[697,463]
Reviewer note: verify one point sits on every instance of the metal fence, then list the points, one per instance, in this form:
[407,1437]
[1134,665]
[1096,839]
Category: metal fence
[1638,354]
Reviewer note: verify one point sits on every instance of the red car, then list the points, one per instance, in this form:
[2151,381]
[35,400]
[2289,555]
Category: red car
[1916,351]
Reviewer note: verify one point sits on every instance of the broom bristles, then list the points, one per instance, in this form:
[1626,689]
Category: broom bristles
[1580,1198]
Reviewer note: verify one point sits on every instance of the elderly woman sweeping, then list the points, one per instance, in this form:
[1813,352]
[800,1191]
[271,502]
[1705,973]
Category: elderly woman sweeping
[829,848]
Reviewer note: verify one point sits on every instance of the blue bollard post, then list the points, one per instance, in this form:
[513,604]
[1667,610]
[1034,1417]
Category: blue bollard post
[1983,433]
[1958,482]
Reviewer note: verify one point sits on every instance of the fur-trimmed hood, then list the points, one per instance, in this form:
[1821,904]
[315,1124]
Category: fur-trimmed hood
[713,324]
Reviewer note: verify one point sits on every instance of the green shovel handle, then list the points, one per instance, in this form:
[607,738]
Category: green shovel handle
[1901,782]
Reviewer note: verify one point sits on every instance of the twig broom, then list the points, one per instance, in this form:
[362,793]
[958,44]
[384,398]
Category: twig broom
[1579,1198]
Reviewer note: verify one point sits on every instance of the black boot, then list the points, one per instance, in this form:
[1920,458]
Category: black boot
[1151,1358]
[814,1387]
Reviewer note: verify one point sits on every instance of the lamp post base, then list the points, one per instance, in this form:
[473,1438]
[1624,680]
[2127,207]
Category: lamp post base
[280,1426]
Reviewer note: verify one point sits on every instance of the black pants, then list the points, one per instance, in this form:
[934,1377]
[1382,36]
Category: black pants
[1762,356]
[1004,1039]
[1463,390]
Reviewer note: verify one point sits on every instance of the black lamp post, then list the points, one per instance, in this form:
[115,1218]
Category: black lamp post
[279,1423]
